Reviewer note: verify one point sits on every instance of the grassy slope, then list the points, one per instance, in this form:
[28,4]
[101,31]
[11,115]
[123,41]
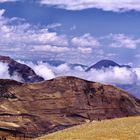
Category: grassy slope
[116,129]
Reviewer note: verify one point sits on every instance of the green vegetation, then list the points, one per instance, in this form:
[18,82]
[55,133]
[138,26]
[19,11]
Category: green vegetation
[115,129]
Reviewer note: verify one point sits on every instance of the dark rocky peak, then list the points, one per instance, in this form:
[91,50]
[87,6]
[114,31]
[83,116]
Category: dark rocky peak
[5,59]
[106,64]
[22,70]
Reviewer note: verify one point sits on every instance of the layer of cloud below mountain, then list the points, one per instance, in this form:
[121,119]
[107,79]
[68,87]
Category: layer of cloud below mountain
[114,75]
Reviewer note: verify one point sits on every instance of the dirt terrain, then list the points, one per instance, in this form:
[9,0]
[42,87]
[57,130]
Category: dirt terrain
[32,110]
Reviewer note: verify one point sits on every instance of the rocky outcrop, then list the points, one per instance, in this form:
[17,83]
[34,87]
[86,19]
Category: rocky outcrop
[22,70]
[45,107]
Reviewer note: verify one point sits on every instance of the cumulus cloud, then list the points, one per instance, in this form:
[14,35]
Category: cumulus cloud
[123,41]
[4,73]
[61,69]
[85,40]
[54,26]
[109,76]
[32,38]
[114,75]
[43,71]
[25,36]
[19,35]
[22,35]
[49,48]
[107,5]
[85,50]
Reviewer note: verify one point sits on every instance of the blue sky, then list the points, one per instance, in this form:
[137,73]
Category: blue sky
[73,31]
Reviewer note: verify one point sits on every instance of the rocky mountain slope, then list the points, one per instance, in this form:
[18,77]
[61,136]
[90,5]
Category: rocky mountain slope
[48,106]
[22,70]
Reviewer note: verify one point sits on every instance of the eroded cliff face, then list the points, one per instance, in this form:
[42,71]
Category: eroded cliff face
[41,108]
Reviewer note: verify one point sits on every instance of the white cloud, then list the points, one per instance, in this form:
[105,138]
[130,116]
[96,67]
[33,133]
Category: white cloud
[55,25]
[109,76]
[107,55]
[114,75]
[1,12]
[23,36]
[43,71]
[56,49]
[85,41]
[49,48]
[107,5]
[27,37]
[123,41]
[84,50]
[4,73]
[63,68]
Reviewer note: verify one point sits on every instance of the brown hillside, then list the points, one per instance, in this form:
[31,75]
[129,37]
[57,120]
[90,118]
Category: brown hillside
[41,108]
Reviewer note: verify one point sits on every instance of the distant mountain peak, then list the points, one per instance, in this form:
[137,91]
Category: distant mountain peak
[106,64]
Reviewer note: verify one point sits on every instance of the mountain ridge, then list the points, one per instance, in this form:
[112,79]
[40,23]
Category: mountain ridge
[25,72]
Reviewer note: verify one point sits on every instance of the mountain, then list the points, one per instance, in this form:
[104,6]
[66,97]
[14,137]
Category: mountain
[22,70]
[106,64]
[55,63]
[41,108]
